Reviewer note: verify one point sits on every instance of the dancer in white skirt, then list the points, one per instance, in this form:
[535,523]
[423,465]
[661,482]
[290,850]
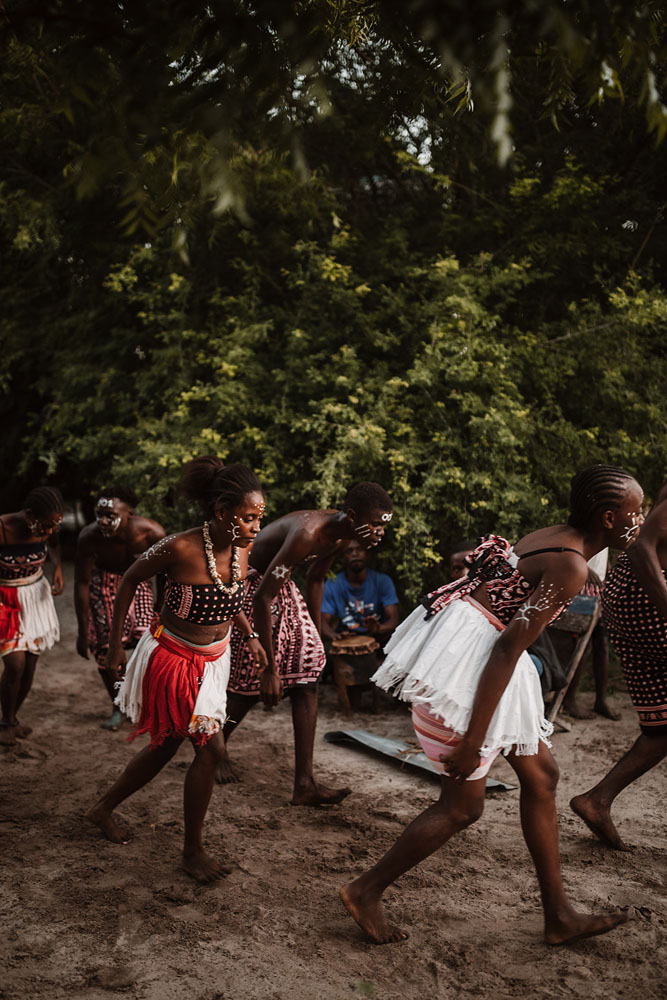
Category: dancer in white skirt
[176,680]
[460,660]
[28,621]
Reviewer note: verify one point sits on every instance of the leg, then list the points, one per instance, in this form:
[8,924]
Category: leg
[141,769]
[196,797]
[538,775]
[308,792]
[594,806]
[459,805]
[10,688]
[24,687]
[600,643]
[116,717]
[342,674]
[238,706]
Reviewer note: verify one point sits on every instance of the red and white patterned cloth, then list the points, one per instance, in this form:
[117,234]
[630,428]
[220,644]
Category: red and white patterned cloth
[103,590]
[639,634]
[298,650]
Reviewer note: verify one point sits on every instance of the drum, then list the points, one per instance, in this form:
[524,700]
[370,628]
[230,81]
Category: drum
[353,659]
[354,645]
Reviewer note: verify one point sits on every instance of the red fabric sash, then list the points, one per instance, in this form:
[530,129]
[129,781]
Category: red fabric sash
[10,626]
[170,687]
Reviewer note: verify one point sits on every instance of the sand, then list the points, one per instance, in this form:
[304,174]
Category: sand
[88,919]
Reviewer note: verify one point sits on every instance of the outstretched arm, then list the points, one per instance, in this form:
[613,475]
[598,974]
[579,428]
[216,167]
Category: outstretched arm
[643,556]
[554,589]
[157,559]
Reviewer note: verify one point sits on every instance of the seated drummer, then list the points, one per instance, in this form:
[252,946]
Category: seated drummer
[360,601]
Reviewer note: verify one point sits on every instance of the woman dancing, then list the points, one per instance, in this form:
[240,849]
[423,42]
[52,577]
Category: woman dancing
[176,680]
[461,661]
[28,621]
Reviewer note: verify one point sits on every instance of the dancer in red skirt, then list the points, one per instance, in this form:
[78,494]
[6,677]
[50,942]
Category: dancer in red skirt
[175,684]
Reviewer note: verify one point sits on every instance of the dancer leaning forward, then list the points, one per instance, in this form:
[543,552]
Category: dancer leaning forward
[28,620]
[461,661]
[175,684]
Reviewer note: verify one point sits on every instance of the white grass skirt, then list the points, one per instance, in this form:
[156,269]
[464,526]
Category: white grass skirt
[39,628]
[438,663]
[211,700]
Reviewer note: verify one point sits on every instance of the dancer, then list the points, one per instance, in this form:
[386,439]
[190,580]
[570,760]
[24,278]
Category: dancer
[28,621]
[475,693]
[634,609]
[289,627]
[104,551]
[176,680]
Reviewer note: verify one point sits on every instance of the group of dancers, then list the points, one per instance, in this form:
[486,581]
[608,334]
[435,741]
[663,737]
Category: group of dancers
[232,628]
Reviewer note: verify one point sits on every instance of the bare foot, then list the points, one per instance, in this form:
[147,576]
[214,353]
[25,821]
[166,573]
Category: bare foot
[576,711]
[368,913]
[602,708]
[598,820]
[315,794]
[580,925]
[225,773]
[203,868]
[114,721]
[7,735]
[104,820]
[22,731]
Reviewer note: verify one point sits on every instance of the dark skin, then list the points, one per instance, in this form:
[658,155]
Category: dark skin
[113,542]
[648,557]
[317,537]
[183,558]
[354,558]
[557,577]
[24,527]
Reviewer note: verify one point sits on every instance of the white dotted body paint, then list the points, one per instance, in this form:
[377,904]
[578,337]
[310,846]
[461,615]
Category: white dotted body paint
[158,548]
[280,572]
[547,600]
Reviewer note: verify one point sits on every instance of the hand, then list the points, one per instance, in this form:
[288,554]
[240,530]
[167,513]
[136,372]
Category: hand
[372,624]
[116,662]
[270,687]
[461,762]
[58,584]
[258,654]
[82,646]
[594,581]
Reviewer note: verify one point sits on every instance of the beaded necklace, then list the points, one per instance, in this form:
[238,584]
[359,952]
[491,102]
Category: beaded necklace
[233,586]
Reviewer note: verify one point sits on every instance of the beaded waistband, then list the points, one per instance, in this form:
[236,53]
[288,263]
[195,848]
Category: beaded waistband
[22,582]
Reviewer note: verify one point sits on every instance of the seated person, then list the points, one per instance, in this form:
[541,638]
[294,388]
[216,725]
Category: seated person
[359,602]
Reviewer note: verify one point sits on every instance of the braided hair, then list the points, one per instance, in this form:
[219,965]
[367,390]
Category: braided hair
[597,487]
[215,486]
[44,500]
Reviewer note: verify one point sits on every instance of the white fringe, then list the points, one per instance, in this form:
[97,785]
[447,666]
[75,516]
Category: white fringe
[38,622]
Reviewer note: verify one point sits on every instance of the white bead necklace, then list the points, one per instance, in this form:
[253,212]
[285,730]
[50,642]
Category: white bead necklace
[233,586]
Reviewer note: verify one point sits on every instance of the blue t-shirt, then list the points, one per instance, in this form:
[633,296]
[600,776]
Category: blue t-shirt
[352,604]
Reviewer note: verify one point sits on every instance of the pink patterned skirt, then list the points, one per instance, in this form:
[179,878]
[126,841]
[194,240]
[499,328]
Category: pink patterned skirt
[298,649]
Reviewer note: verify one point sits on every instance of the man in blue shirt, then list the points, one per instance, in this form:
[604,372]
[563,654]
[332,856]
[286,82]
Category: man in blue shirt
[360,601]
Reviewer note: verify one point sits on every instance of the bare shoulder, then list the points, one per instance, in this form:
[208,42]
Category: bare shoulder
[145,529]
[86,537]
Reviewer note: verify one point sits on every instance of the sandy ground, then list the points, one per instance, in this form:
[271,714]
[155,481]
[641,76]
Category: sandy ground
[85,918]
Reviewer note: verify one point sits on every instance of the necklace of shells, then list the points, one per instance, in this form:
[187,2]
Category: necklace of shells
[233,586]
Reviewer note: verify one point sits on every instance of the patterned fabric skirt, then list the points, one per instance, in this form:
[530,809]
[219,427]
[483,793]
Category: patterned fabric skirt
[29,623]
[297,646]
[438,664]
[437,741]
[174,689]
[103,589]
[639,634]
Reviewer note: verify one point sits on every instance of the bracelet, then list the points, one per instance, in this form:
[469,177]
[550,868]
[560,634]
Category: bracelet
[251,635]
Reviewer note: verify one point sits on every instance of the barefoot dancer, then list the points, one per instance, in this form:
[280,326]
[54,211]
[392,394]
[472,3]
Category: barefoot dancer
[634,609]
[475,693]
[104,551]
[28,621]
[175,683]
[289,627]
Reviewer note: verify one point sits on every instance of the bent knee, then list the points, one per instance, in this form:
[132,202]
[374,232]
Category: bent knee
[464,816]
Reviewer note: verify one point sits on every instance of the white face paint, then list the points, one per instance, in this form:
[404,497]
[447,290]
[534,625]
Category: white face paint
[108,525]
[105,502]
[280,572]
[387,517]
[633,527]
[235,529]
